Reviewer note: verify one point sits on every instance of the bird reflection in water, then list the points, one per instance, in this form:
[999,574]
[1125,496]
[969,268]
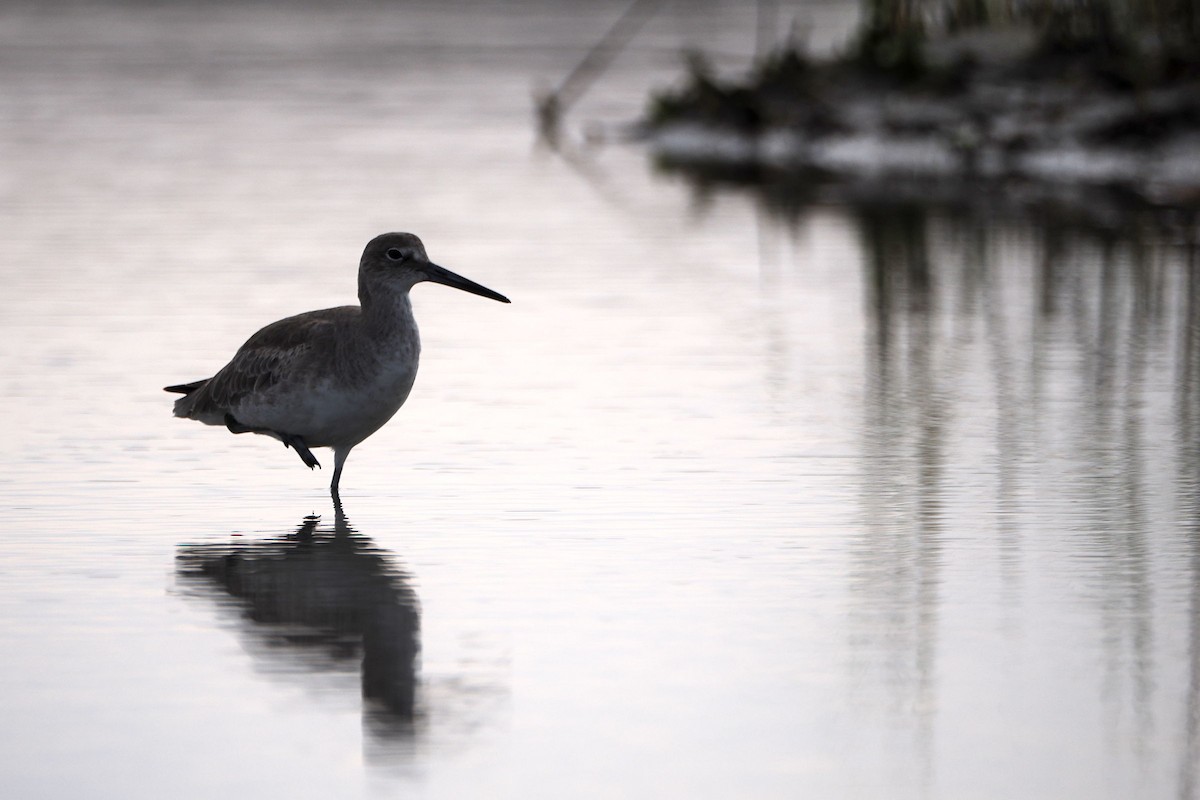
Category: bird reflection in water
[323,599]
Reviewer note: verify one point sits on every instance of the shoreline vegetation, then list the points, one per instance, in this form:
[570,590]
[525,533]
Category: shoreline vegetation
[1066,102]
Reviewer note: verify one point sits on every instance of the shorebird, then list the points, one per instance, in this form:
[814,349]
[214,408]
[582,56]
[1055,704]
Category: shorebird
[333,377]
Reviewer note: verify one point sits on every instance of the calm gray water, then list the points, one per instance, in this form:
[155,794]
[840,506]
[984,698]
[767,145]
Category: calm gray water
[879,502]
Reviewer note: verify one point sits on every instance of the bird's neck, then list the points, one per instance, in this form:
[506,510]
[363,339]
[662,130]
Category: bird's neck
[388,315]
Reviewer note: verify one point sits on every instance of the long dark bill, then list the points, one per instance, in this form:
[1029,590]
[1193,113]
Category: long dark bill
[447,278]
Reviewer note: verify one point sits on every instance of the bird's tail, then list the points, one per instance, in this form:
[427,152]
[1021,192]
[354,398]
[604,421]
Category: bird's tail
[185,388]
[192,395]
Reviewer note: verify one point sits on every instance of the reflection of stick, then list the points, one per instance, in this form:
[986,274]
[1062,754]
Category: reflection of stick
[551,105]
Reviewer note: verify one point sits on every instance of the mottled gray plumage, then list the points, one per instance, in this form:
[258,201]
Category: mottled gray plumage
[269,358]
[329,378]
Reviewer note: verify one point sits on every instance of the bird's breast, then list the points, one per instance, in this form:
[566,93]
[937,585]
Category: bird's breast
[345,413]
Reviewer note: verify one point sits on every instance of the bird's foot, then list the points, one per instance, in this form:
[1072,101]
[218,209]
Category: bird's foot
[297,443]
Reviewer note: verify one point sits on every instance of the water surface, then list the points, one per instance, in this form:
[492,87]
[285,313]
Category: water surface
[855,501]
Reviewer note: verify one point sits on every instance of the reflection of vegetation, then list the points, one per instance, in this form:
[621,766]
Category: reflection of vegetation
[790,195]
[897,572]
[1029,432]
[1062,339]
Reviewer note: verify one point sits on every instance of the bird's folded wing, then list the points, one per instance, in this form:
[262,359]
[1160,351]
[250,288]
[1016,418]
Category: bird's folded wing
[282,350]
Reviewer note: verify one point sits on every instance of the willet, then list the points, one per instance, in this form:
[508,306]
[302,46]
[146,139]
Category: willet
[329,378]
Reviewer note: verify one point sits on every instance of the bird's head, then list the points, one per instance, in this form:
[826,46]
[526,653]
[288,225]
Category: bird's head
[397,262]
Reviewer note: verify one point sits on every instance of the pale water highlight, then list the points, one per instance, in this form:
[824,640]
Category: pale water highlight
[855,500]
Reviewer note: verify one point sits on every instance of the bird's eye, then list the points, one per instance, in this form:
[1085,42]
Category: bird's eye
[395,254]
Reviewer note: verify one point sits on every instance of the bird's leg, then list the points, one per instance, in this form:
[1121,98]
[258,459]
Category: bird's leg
[339,459]
[297,443]
[288,439]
